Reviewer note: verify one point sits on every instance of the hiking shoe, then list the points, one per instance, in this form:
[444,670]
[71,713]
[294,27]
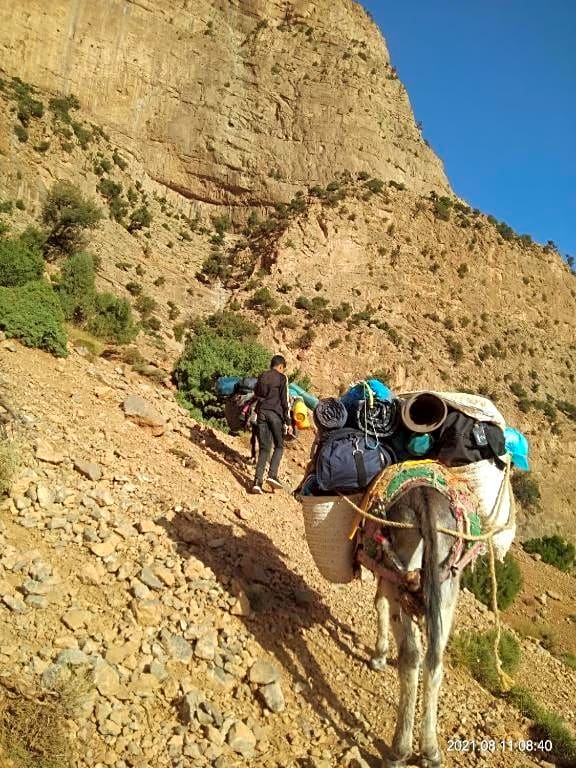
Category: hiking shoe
[257,488]
[274,482]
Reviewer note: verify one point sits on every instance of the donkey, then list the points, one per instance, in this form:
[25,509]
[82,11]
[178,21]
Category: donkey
[420,551]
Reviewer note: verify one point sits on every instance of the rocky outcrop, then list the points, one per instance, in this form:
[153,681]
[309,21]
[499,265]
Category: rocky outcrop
[233,102]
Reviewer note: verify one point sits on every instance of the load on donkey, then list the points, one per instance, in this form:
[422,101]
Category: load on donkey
[413,487]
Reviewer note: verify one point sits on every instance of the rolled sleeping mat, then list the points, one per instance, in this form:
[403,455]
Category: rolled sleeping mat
[330,413]
[296,391]
[424,412]
[380,420]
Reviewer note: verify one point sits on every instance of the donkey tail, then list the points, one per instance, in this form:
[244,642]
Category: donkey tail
[431,577]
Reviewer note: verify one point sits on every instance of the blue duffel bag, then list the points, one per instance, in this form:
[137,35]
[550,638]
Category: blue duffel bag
[345,464]
[226,385]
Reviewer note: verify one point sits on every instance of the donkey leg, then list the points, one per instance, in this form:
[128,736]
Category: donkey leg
[432,680]
[407,636]
[378,661]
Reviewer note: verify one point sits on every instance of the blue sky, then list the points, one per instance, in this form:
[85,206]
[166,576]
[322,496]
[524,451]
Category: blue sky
[494,84]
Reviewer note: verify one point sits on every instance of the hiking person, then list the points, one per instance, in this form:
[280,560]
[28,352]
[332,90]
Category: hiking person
[273,421]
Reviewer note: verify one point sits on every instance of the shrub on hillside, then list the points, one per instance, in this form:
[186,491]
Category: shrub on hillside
[76,287]
[547,725]
[230,325]
[19,263]
[508,576]
[475,651]
[67,214]
[112,319]
[32,313]
[526,490]
[207,356]
[140,218]
[554,550]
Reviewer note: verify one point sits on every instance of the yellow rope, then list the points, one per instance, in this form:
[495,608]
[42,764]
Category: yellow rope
[506,681]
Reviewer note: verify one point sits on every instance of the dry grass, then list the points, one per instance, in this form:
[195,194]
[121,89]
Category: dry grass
[34,729]
[8,465]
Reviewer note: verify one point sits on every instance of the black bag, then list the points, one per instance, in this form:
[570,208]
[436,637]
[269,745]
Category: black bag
[462,440]
[245,385]
[237,412]
[344,463]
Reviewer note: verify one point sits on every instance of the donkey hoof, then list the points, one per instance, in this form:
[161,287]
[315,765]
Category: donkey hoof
[377,663]
[393,762]
[436,761]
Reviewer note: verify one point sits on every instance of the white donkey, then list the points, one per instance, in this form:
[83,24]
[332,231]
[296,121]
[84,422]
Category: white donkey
[420,557]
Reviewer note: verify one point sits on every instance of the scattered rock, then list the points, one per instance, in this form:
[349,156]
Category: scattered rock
[177,647]
[241,739]
[16,604]
[75,619]
[206,646]
[47,453]
[262,672]
[273,697]
[148,577]
[89,469]
[141,412]
[106,679]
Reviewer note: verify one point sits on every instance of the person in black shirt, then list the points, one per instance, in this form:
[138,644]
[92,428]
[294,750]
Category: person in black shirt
[273,421]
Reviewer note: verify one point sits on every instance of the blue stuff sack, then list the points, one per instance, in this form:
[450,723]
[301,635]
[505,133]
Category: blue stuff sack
[345,464]
[359,392]
[225,385]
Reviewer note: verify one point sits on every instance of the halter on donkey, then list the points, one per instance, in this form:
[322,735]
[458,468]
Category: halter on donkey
[418,568]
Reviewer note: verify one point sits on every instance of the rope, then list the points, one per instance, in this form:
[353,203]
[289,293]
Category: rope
[506,681]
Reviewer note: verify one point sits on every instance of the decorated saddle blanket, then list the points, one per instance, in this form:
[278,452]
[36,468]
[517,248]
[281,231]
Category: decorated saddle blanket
[373,548]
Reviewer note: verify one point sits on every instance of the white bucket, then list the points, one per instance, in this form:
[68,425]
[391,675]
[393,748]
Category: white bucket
[327,522]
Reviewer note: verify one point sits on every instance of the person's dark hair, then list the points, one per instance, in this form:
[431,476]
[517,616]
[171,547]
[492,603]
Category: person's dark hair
[277,360]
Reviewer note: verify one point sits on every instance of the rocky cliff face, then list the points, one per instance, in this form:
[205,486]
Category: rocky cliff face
[232,102]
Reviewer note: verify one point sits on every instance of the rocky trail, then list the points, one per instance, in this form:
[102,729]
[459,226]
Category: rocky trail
[131,551]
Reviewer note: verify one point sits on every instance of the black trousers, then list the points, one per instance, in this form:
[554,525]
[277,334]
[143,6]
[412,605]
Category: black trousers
[270,432]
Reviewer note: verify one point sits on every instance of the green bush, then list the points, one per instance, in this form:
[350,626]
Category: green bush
[526,490]
[67,214]
[207,356]
[8,466]
[19,263]
[375,185]
[119,161]
[554,550]
[546,725]
[442,208]
[76,288]
[61,106]
[263,299]
[141,218]
[21,133]
[135,289]
[32,313]
[475,651]
[228,324]
[145,306]
[112,319]
[508,576]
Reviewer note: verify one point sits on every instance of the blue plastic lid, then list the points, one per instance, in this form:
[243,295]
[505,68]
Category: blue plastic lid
[419,445]
[517,446]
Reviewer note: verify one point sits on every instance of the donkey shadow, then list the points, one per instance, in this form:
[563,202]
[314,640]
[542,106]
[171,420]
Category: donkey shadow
[284,608]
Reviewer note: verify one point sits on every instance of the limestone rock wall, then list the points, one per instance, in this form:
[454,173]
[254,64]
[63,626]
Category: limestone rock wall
[232,102]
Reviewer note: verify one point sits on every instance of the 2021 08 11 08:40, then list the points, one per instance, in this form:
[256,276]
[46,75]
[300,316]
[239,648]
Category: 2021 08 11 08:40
[499,745]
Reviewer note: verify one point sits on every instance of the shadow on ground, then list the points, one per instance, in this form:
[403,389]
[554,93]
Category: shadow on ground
[284,609]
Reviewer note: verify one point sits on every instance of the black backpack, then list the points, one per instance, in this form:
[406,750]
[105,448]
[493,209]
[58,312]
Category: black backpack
[462,440]
[238,413]
[345,464]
